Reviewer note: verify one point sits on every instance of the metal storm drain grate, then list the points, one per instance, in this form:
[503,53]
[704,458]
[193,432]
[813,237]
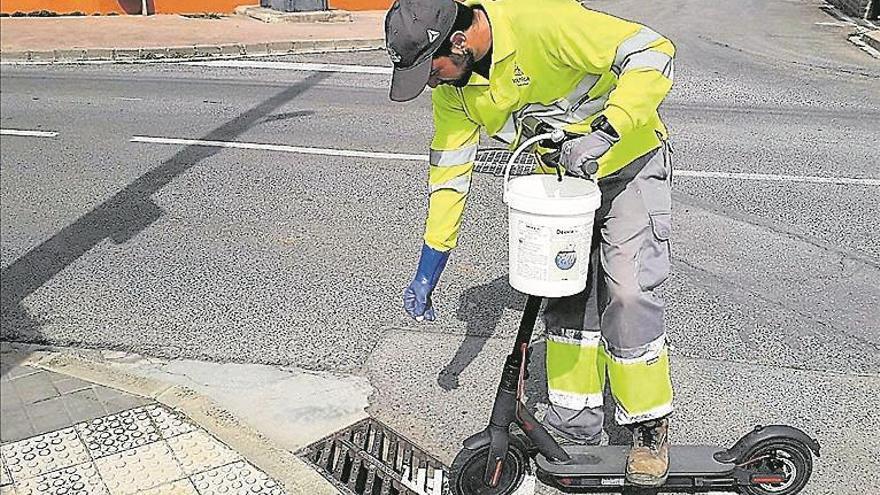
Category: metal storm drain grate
[493,161]
[368,458]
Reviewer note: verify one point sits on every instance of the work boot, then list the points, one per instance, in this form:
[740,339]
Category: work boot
[648,462]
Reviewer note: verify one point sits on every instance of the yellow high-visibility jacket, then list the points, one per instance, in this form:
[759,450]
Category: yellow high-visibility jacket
[557,60]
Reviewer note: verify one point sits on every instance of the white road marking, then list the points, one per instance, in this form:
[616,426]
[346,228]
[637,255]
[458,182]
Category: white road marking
[127,98]
[279,147]
[308,150]
[17,132]
[778,178]
[256,64]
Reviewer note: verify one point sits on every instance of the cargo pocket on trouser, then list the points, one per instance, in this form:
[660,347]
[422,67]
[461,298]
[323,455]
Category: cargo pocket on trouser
[654,256]
[656,193]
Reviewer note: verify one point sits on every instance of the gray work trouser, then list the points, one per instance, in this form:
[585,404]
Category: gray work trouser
[615,327]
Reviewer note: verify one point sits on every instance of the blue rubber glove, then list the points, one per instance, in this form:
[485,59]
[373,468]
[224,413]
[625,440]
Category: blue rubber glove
[417,297]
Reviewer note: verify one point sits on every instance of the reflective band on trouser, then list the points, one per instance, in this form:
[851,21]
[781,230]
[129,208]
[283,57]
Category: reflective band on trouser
[649,59]
[636,43]
[641,386]
[575,370]
[451,158]
[643,353]
[460,184]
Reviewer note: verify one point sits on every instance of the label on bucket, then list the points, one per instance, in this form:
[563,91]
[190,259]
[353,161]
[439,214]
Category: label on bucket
[551,254]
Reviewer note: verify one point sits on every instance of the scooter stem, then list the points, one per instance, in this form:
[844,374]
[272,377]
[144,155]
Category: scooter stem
[527,324]
[508,409]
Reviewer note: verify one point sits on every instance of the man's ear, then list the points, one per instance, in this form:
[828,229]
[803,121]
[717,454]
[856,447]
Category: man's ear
[458,40]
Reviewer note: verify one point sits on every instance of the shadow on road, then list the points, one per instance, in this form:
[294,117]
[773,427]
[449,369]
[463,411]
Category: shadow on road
[119,219]
[481,308]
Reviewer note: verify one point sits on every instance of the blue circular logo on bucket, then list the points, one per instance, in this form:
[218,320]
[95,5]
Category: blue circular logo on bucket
[566,259]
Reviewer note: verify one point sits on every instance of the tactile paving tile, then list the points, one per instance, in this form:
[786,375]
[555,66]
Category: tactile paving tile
[239,478]
[169,422]
[44,453]
[75,480]
[117,432]
[138,469]
[5,479]
[198,451]
[181,487]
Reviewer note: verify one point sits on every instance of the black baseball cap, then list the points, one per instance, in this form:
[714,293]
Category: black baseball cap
[414,30]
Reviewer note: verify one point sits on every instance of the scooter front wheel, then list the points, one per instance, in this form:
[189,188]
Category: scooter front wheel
[789,458]
[469,466]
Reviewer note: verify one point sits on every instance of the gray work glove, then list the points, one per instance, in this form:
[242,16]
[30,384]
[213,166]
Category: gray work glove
[579,156]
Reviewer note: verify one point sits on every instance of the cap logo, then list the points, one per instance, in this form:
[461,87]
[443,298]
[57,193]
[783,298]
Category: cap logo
[394,56]
[433,35]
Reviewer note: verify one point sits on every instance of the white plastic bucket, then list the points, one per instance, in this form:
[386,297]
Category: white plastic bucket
[551,228]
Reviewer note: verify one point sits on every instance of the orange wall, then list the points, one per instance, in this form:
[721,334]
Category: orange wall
[361,4]
[63,6]
[124,6]
[162,6]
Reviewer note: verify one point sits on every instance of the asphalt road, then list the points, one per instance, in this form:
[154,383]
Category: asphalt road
[249,255]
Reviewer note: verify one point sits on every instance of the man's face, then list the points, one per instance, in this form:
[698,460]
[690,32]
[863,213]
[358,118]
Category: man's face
[454,69]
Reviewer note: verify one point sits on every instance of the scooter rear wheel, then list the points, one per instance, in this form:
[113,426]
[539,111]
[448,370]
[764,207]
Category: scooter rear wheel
[780,456]
[469,466]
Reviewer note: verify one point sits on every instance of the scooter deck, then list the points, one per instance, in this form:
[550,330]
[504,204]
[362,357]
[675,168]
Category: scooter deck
[610,461]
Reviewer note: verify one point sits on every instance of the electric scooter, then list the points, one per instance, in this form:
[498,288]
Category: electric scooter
[769,460]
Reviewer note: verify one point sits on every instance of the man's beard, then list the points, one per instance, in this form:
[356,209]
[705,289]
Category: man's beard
[465,62]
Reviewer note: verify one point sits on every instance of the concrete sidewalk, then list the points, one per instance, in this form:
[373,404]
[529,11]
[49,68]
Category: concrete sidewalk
[171,36]
[77,422]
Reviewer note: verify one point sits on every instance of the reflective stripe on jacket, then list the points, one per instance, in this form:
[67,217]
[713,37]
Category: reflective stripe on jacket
[562,63]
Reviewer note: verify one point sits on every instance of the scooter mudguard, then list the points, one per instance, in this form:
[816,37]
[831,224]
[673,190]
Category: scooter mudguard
[497,450]
[477,440]
[762,434]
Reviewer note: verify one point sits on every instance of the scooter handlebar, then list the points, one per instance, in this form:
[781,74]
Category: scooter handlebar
[546,137]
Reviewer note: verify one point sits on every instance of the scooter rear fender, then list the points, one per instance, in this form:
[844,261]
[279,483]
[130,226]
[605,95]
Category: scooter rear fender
[761,434]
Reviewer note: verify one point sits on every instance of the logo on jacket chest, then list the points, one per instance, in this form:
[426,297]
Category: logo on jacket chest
[520,78]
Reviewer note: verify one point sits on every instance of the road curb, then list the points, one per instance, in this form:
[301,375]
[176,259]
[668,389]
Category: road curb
[177,53]
[282,465]
[273,16]
[872,39]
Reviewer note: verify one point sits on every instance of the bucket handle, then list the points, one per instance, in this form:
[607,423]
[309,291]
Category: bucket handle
[555,135]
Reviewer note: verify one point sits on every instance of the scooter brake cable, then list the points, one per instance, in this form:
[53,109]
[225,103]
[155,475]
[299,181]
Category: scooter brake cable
[521,383]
